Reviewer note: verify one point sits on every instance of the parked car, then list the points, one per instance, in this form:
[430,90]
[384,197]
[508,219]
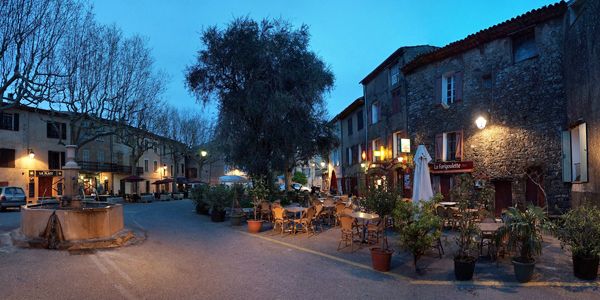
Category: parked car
[295,186]
[12,196]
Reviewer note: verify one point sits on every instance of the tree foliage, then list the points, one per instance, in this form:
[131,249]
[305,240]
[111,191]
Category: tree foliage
[269,89]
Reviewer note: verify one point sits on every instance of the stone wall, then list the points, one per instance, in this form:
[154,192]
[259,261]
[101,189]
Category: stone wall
[524,103]
[582,78]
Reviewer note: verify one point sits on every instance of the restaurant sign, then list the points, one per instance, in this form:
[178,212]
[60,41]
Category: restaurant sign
[449,167]
[47,173]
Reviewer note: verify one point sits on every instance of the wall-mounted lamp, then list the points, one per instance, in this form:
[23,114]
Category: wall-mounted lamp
[322,164]
[31,153]
[481,122]
[203,153]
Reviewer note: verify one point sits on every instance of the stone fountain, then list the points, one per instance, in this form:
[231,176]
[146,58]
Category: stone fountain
[72,223]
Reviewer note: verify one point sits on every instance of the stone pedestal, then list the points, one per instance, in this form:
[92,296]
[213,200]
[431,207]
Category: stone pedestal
[71,176]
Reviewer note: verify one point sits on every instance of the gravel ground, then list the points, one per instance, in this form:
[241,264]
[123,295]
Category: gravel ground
[185,256]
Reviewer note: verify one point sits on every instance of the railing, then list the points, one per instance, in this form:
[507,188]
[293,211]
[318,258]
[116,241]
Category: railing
[108,167]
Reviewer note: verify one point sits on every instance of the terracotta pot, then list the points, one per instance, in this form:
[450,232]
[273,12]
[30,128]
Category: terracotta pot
[464,268]
[382,259]
[585,268]
[254,226]
[523,270]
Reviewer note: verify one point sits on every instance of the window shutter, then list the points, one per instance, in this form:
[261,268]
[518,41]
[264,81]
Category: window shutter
[389,147]
[16,121]
[369,118]
[458,82]
[459,145]
[63,131]
[583,152]
[566,156]
[437,94]
[439,146]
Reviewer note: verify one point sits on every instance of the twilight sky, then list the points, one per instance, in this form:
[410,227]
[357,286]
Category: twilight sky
[352,37]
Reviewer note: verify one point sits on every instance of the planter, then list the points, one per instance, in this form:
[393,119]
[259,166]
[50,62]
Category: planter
[464,268]
[236,220]
[585,268]
[382,259]
[254,226]
[523,270]
[217,216]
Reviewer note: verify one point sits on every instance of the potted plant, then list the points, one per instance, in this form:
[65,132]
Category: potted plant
[580,232]
[466,239]
[418,226]
[199,197]
[523,228]
[218,197]
[382,202]
[258,193]
[237,215]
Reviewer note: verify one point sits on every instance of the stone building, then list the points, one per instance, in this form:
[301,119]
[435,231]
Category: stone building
[385,97]
[352,138]
[32,154]
[582,78]
[511,75]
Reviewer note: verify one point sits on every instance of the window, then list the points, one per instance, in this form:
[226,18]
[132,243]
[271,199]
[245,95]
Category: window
[396,101]
[524,47]
[145,165]
[155,165]
[355,154]
[9,121]
[360,121]
[55,160]
[182,169]
[7,158]
[394,75]
[349,126]
[375,146]
[100,155]
[449,146]
[119,156]
[56,130]
[85,155]
[172,170]
[349,156]
[397,144]
[448,89]
[575,155]
[375,113]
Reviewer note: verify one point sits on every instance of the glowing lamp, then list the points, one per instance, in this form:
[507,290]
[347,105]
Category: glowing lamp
[31,153]
[480,122]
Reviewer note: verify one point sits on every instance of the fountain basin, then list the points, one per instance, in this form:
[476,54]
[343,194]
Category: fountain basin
[97,220]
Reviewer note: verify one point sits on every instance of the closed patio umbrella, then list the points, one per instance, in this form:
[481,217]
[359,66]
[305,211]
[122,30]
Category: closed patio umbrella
[333,185]
[422,182]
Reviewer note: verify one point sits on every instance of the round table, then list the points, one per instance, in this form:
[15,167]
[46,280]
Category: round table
[295,209]
[365,217]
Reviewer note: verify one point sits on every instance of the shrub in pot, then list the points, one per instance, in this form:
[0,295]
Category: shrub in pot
[237,215]
[198,195]
[580,233]
[466,239]
[418,228]
[523,228]
[258,193]
[219,197]
[382,202]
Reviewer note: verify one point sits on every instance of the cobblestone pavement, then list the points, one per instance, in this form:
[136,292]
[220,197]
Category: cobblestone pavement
[185,256]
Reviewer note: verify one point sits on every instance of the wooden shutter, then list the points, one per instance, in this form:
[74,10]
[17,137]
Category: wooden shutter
[459,145]
[63,131]
[15,121]
[566,156]
[369,116]
[583,152]
[439,146]
[458,86]
[437,93]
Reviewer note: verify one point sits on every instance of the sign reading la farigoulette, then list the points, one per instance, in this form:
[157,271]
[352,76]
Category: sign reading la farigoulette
[449,167]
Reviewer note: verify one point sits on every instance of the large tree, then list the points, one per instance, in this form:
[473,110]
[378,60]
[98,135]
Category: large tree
[269,89]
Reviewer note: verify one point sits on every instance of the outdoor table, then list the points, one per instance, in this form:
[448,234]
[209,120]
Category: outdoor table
[295,210]
[365,217]
[488,229]
[447,203]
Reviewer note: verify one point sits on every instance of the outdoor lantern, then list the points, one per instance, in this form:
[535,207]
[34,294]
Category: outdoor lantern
[203,153]
[481,122]
[322,164]
[31,154]
[364,155]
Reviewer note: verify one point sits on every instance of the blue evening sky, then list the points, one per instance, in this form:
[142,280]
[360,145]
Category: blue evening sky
[352,37]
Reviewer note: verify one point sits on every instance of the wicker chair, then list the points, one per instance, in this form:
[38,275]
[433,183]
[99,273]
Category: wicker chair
[265,210]
[320,214]
[348,233]
[306,221]
[280,219]
[339,211]
[375,231]
[451,221]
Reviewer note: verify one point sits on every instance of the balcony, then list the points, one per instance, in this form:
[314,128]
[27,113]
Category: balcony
[93,166]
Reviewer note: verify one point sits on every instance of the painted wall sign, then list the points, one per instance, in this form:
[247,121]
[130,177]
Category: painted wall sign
[447,167]
[47,173]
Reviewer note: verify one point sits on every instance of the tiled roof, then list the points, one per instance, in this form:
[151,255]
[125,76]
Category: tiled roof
[501,30]
[359,102]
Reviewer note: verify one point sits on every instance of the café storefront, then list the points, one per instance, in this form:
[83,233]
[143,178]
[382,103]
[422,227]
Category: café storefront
[442,174]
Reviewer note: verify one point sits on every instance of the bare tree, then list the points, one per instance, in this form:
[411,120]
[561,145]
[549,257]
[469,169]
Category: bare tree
[30,34]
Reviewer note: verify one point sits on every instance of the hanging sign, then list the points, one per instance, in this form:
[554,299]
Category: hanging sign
[405,145]
[48,173]
[448,167]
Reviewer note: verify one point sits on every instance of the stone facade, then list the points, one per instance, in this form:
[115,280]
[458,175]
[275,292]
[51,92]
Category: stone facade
[582,77]
[523,102]
[351,143]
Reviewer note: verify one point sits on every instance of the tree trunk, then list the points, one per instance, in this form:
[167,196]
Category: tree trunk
[288,179]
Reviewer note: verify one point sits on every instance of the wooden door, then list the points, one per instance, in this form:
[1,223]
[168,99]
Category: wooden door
[44,186]
[503,195]
[445,186]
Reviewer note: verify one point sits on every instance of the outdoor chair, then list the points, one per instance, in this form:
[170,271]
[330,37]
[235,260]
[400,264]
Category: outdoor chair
[306,221]
[348,233]
[339,211]
[451,221]
[280,219]
[375,231]
[265,210]
[319,215]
